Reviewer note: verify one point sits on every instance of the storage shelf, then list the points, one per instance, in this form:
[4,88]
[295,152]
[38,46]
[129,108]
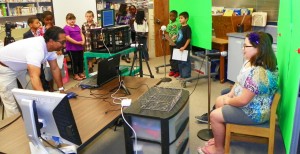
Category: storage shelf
[18,16]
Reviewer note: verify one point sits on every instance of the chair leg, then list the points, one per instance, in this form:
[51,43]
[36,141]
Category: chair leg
[227,140]
[271,145]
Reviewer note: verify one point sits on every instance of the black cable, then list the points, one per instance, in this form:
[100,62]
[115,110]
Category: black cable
[139,86]
[197,79]
[112,110]
[52,145]
[195,85]
[92,97]
[2,128]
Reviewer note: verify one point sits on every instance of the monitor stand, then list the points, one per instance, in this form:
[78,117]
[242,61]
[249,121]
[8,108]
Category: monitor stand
[123,87]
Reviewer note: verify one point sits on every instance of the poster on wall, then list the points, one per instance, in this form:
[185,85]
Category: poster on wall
[141,4]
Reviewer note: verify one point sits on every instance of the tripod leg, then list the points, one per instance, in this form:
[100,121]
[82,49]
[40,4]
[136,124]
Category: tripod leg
[151,75]
[133,61]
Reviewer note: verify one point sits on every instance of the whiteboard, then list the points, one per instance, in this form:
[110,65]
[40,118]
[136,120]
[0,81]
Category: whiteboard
[78,7]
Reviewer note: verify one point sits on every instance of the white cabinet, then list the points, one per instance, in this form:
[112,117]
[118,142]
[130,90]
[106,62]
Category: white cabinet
[235,55]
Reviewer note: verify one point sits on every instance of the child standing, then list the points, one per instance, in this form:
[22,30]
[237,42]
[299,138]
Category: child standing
[89,16]
[74,46]
[34,25]
[183,43]
[141,29]
[48,21]
[173,28]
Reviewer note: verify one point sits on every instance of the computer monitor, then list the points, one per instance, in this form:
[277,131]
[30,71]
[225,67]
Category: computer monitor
[107,18]
[108,69]
[48,116]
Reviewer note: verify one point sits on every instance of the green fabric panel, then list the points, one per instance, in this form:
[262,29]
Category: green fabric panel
[283,47]
[289,66]
[200,20]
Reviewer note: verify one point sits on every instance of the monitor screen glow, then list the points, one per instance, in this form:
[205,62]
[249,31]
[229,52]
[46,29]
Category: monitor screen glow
[108,17]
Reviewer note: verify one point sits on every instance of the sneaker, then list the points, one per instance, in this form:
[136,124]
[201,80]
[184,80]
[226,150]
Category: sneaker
[203,118]
[171,73]
[176,75]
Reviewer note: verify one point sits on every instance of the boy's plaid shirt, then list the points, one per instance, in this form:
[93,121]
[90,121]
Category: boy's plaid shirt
[85,30]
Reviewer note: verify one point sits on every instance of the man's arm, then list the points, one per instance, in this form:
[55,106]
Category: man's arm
[34,73]
[56,73]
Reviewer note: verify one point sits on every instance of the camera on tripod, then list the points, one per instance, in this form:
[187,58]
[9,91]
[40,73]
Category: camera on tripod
[8,38]
[8,27]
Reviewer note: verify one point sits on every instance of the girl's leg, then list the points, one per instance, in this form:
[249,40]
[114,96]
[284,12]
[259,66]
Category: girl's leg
[218,128]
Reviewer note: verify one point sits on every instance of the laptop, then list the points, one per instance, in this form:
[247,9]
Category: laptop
[108,69]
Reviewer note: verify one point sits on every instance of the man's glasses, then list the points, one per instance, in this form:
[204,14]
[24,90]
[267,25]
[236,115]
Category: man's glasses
[62,42]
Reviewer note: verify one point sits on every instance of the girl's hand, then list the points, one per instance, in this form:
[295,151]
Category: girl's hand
[59,52]
[181,49]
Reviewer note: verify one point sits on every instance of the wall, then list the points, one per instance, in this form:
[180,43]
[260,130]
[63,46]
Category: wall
[269,6]
[77,7]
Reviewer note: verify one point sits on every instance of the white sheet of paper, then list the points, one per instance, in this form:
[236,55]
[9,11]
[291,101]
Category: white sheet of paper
[178,55]
[60,61]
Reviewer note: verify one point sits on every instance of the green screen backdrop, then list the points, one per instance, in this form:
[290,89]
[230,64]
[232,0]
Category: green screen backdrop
[200,20]
[289,66]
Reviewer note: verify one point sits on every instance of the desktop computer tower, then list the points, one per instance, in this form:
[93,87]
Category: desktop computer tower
[159,132]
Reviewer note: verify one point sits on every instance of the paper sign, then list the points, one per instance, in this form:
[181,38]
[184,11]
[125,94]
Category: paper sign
[180,55]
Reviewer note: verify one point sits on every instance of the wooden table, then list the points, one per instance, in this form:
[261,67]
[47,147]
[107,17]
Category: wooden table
[221,45]
[90,115]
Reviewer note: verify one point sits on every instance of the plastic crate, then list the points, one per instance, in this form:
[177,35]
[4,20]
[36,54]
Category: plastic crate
[111,39]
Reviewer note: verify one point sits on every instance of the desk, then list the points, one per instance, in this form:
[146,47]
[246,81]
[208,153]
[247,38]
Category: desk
[89,54]
[221,45]
[89,114]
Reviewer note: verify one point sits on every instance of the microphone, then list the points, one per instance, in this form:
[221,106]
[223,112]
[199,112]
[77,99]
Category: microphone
[223,54]
[163,28]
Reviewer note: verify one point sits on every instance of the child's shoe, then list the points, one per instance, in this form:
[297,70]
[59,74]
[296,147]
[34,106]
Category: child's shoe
[171,73]
[176,75]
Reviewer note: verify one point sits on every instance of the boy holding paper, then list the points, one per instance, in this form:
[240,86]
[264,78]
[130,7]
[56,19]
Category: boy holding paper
[183,45]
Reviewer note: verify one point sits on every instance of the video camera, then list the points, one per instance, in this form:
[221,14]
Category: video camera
[8,39]
[8,27]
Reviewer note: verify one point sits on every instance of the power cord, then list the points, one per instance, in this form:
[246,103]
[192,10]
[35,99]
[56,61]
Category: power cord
[139,86]
[5,126]
[119,87]
[103,38]
[135,137]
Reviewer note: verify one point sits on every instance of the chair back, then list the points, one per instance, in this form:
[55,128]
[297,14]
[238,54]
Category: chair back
[274,105]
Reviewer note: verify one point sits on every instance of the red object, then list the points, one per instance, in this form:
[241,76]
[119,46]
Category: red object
[299,50]
[66,77]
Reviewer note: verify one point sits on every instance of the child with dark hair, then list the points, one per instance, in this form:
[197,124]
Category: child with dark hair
[121,17]
[172,29]
[183,43]
[141,29]
[34,24]
[74,46]
[89,24]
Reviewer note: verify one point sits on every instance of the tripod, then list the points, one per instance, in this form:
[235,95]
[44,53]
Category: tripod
[165,79]
[138,37]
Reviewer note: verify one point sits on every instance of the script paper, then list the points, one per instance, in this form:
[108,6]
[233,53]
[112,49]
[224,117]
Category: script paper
[180,55]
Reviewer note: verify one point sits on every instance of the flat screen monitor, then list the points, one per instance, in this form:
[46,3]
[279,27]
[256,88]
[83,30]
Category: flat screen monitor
[108,69]
[47,115]
[107,18]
